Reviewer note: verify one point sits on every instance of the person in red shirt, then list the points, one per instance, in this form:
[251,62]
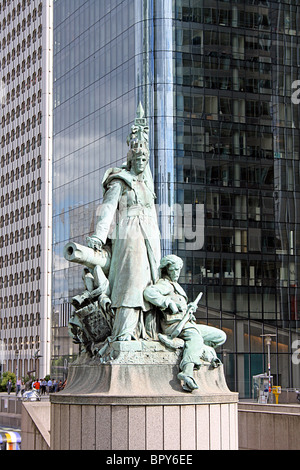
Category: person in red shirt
[37,386]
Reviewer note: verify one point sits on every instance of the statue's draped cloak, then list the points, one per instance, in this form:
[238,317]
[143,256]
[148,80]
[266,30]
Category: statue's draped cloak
[128,217]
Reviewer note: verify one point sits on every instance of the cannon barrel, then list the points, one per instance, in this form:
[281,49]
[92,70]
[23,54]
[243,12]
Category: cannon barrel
[85,255]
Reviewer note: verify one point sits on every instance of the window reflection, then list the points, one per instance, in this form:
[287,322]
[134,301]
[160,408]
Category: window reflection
[230,72]
[94,105]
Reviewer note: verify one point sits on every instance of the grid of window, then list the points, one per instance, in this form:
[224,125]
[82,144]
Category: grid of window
[21,163]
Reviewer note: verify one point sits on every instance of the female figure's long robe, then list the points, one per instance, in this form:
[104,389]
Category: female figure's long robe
[128,217]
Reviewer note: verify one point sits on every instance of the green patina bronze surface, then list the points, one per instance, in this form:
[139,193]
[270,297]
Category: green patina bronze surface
[132,295]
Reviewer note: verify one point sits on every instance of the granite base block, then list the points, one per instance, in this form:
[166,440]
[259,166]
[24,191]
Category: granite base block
[134,401]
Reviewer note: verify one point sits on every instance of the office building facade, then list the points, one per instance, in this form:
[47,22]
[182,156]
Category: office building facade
[216,80]
[25,186]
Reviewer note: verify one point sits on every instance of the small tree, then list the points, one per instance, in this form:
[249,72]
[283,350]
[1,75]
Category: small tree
[5,378]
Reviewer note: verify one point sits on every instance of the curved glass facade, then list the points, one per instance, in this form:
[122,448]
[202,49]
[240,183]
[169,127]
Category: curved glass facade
[98,80]
[216,79]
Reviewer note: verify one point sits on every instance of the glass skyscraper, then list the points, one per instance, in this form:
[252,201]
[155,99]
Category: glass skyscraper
[216,79]
[98,66]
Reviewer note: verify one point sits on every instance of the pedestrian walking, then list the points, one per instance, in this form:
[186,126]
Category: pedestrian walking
[43,386]
[49,386]
[37,386]
[9,386]
[18,386]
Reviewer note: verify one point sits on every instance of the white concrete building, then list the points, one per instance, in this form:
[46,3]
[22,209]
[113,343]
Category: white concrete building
[25,185]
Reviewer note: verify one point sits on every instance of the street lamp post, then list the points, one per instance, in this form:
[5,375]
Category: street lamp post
[268,341]
[1,358]
[225,351]
[17,364]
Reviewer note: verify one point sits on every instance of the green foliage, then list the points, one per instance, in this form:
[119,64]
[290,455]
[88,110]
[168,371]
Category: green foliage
[5,378]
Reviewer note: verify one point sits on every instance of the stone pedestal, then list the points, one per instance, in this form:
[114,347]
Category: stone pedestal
[134,401]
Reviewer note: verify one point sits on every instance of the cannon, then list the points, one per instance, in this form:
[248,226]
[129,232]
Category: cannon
[87,256]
